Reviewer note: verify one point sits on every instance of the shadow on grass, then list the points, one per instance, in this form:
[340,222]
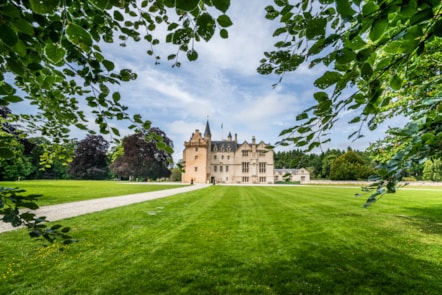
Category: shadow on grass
[426,219]
[329,271]
[314,269]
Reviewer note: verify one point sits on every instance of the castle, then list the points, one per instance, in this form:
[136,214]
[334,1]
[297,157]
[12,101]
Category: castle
[227,161]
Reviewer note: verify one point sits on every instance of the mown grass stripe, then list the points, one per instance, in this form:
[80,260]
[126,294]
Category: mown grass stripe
[240,240]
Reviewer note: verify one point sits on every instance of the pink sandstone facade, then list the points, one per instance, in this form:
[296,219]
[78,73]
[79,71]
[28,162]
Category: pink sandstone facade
[226,161]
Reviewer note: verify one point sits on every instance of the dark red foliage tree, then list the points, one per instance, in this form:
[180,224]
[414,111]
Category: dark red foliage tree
[90,159]
[143,158]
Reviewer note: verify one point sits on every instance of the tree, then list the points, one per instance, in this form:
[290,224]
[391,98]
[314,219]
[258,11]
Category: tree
[327,162]
[175,174]
[373,51]
[16,163]
[144,159]
[350,166]
[90,159]
[57,167]
[433,170]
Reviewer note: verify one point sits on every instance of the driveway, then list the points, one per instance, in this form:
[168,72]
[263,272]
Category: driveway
[66,210]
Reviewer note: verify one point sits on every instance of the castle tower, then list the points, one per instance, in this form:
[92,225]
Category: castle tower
[196,156]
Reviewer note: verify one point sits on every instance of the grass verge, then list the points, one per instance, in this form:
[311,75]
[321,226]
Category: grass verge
[64,191]
[240,240]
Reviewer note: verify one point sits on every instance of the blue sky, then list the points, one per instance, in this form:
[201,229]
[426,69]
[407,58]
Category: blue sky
[222,85]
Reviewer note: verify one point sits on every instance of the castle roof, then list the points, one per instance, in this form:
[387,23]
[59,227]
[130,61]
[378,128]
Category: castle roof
[224,146]
[207,132]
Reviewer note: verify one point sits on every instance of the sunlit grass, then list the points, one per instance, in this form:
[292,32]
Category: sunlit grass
[63,191]
[240,240]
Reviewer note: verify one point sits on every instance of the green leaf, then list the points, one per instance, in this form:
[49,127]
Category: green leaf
[79,36]
[366,71]
[206,26]
[396,82]
[137,119]
[316,27]
[44,7]
[13,98]
[118,16]
[7,35]
[422,16]
[299,117]
[108,65]
[224,33]
[320,96]
[101,4]
[408,9]
[344,8]
[6,88]
[23,26]
[20,48]
[281,3]
[345,56]
[369,8]
[115,131]
[54,52]
[65,229]
[378,28]
[327,79]
[186,5]
[169,3]
[224,21]
[317,47]
[192,55]
[356,43]
[116,96]
[221,5]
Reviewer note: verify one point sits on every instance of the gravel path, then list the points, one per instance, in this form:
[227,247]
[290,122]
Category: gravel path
[66,210]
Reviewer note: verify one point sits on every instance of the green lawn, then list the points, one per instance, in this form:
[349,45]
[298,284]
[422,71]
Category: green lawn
[64,191]
[241,240]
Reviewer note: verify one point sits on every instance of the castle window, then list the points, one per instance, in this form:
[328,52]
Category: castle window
[262,153]
[220,168]
[196,157]
[214,168]
[262,179]
[245,153]
[222,157]
[227,168]
[214,157]
[196,169]
[262,167]
[245,179]
[245,167]
[228,157]
[196,149]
